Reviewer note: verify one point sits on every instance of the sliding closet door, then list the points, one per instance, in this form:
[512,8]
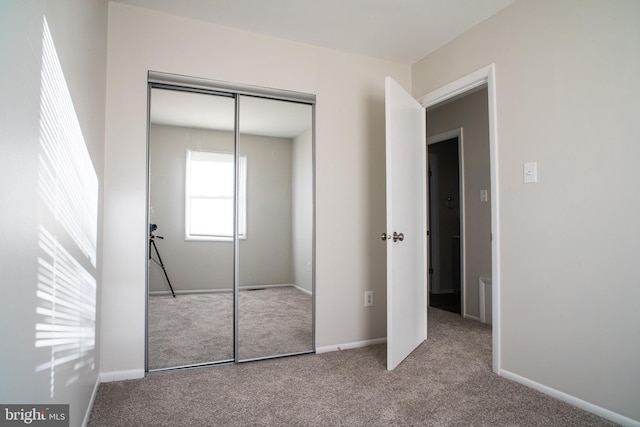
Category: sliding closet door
[231,222]
[191,217]
[275,228]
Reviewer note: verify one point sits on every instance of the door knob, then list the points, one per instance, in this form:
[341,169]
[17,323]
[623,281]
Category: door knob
[397,236]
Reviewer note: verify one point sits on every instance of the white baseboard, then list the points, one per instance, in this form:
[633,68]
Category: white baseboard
[306,291]
[131,374]
[347,346]
[87,414]
[572,400]
[469,316]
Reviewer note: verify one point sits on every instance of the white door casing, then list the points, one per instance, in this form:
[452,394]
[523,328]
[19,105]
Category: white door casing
[406,158]
[485,75]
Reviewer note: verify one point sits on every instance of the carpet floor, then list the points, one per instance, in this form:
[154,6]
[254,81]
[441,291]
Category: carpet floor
[446,381]
[198,328]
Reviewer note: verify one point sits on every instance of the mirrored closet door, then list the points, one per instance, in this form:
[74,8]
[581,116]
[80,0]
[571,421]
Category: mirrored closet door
[276,240]
[191,228]
[231,214]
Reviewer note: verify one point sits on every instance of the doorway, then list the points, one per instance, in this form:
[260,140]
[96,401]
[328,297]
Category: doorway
[444,239]
[463,236]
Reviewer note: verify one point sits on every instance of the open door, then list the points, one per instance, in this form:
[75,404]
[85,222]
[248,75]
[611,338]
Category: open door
[406,223]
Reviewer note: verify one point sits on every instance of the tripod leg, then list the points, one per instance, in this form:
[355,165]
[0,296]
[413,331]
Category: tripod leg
[162,266]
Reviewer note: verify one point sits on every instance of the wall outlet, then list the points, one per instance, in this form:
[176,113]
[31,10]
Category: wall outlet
[368,298]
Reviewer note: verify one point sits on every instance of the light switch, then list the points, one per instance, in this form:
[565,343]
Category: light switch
[483,195]
[530,172]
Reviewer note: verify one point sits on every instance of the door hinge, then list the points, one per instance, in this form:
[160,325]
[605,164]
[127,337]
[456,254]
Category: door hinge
[431,271]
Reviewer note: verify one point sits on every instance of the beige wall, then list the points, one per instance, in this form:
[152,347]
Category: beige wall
[567,98]
[191,265]
[349,160]
[78,29]
[266,254]
[470,113]
[302,197]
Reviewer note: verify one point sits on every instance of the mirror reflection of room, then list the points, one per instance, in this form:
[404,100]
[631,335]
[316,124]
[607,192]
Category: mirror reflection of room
[202,187]
[276,253]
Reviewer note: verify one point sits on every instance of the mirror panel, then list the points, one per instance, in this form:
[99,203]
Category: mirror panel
[231,214]
[191,197]
[275,254]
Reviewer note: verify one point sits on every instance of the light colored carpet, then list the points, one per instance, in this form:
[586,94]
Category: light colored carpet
[447,381]
[198,328]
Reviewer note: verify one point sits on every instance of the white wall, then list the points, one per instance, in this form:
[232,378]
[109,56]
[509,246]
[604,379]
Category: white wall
[470,113]
[79,33]
[349,159]
[567,98]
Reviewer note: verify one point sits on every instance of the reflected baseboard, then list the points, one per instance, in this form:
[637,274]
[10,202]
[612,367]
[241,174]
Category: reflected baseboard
[224,290]
[258,287]
[306,291]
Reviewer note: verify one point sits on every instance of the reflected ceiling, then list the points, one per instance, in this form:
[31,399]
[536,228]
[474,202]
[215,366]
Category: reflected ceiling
[258,116]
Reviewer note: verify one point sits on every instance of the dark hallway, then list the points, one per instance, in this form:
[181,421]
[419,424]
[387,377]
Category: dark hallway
[444,224]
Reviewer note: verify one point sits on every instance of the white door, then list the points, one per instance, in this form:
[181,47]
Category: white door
[406,220]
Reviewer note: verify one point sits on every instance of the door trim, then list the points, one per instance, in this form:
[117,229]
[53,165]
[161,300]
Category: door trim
[485,75]
[444,136]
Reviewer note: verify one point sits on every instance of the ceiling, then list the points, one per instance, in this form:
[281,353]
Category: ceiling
[402,31]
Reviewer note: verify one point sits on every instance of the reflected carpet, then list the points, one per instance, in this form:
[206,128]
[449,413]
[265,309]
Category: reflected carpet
[198,328]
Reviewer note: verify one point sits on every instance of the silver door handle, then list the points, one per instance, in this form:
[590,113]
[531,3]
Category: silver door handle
[395,237]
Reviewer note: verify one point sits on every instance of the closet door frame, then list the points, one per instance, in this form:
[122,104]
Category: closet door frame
[160,80]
